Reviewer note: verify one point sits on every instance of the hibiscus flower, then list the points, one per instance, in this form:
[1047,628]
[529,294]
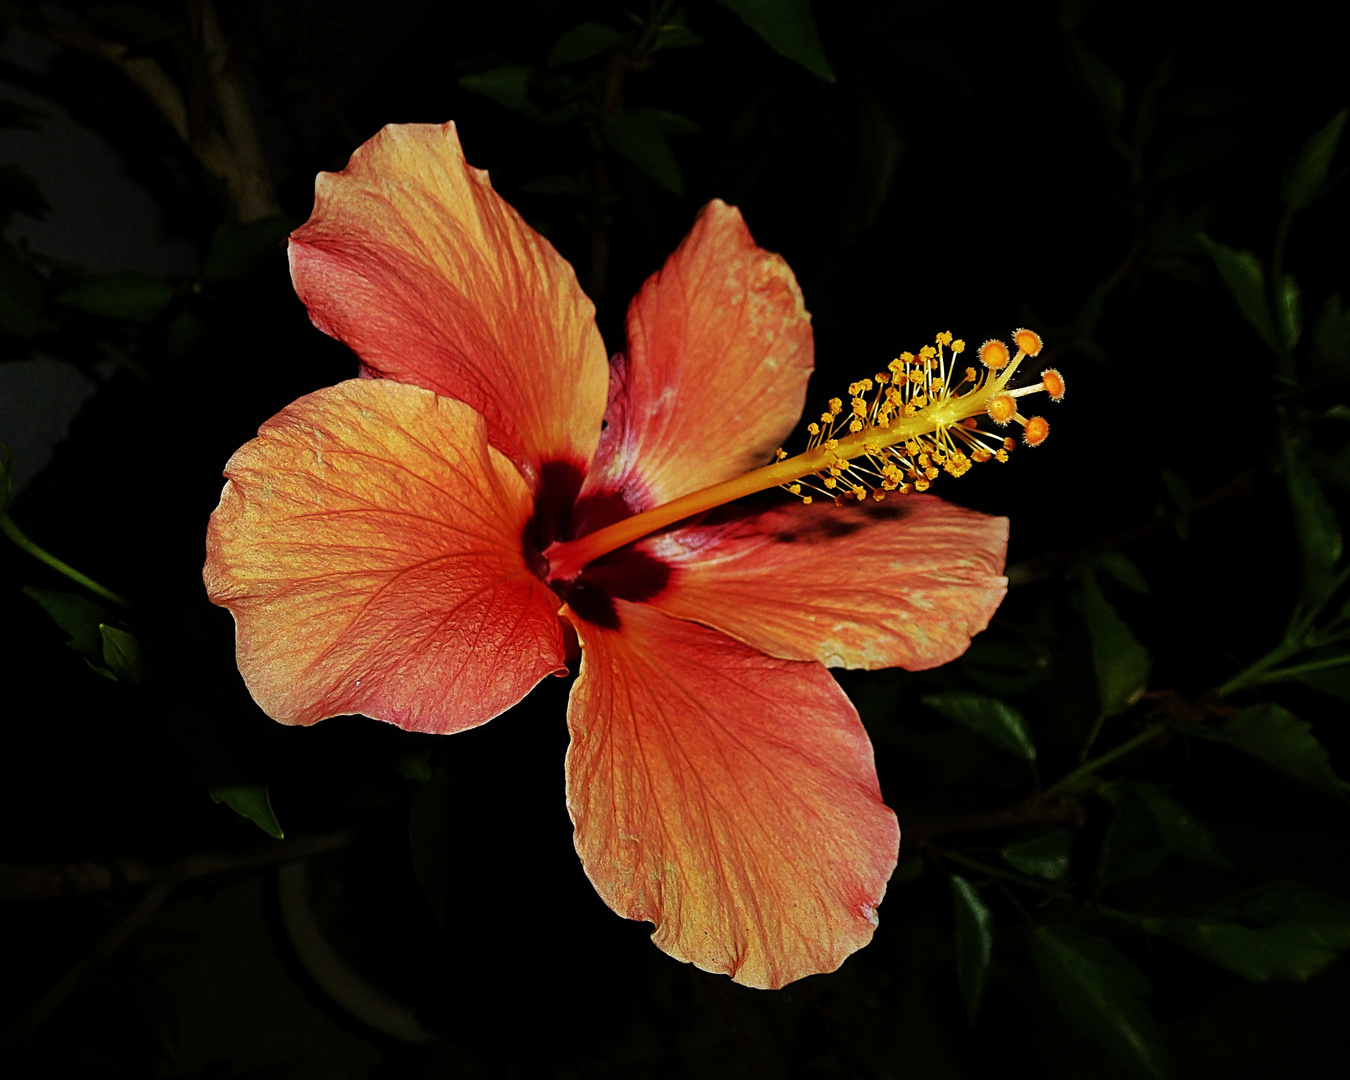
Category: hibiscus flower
[424,544]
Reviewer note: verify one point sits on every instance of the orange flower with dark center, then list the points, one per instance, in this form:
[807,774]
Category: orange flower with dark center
[411,546]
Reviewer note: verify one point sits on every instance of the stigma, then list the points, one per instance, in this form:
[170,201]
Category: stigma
[929,413]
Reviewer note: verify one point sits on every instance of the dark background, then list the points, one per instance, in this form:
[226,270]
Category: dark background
[973,167]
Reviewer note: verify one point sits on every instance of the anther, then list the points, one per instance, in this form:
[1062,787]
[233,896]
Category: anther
[1053,382]
[1036,431]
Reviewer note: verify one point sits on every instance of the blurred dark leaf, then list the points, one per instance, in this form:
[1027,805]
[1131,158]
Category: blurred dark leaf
[1289,310]
[1246,281]
[909,870]
[638,137]
[250,801]
[133,297]
[1102,993]
[1278,931]
[237,249]
[789,29]
[78,616]
[1180,493]
[1103,83]
[1197,150]
[1319,534]
[1303,183]
[1003,667]
[122,654]
[14,115]
[1272,734]
[582,42]
[1121,663]
[184,334]
[19,195]
[997,721]
[428,828]
[1334,681]
[1148,825]
[507,85]
[974,944]
[22,295]
[1121,567]
[1331,339]
[1044,856]
[670,122]
[134,24]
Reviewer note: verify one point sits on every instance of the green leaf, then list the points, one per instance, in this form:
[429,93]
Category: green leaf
[1289,311]
[1121,663]
[1272,734]
[1044,856]
[134,297]
[1004,667]
[1246,281]
[675,35]
[974,944]
[1319,534]
[1278,931]
[639,138]
[1147,826]
[1182,498]
[1303,183]
[428,827]
[78,616]
[997,721]
[582,42]
[1101,992]
[250,801]
[23,293]
[789,29]
[237,249]
[1121,567]
[909,870]
[507,85]
[122,654]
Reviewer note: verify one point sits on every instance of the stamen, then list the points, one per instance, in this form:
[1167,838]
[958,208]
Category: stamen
[901,430]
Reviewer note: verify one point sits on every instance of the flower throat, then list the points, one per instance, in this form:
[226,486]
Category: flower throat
[901,430]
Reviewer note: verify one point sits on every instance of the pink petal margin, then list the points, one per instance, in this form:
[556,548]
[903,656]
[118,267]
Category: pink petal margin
[368,544]
[726,796]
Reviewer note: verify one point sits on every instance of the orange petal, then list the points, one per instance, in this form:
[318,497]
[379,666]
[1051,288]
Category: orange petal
[719,352]
[368,544]
[728,797]
[904,583]
[416,263]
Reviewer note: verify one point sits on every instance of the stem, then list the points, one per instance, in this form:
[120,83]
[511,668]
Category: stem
[1285,674]
[994,872]
[22,542]
[1254,674]
[568,558]
[1088,768]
